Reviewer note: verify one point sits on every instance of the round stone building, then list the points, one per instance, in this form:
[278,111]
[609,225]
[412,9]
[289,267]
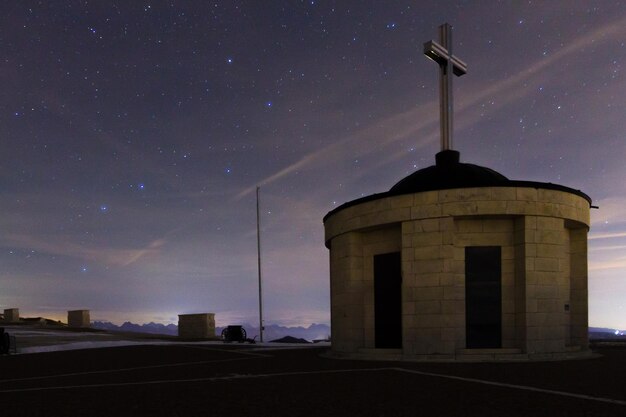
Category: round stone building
[457,262]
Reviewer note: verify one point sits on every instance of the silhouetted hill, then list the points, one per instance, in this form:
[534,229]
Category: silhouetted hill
[289,339]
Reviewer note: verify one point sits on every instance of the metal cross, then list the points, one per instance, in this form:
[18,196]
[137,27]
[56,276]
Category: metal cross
[441,53]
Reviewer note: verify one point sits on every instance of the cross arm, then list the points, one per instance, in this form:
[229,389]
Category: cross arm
[439,54]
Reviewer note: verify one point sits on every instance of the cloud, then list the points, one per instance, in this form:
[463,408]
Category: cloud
[64,246]
[151,249]
[607,248]
[307,160]
[616,263]
[396,127]
[611,235]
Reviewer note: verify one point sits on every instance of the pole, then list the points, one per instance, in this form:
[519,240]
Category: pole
[449,65]
[445,89]
[258,247]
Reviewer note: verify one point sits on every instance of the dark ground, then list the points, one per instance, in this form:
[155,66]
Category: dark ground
[234,380]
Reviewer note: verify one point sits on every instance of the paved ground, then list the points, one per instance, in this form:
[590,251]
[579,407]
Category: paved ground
[236,380]
[189,380]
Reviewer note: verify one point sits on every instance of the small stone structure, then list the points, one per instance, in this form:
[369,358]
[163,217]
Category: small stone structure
[12,315]
[457,262]
[196,326]
[78,318]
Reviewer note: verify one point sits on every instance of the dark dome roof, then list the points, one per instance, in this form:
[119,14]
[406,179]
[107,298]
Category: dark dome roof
[448,173]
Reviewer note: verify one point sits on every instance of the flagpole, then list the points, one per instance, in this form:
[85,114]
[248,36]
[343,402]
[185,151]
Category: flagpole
[258,246]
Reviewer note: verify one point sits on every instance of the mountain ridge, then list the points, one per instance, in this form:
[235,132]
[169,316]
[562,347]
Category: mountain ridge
[315,331]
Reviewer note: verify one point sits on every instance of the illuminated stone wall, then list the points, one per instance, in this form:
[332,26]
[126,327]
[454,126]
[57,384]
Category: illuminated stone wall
[78,318]
[542,234]
[196,326]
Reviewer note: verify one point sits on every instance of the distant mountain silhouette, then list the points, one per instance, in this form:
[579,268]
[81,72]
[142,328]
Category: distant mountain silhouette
[272,332]
[604,332]
[153,328]
[289,339]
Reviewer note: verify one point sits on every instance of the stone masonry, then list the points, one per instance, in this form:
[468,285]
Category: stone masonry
[196,326]
[12,314]
[542,234]
[78,318]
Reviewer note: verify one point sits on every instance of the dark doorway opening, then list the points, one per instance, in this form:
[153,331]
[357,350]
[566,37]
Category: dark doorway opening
[483,297]
[388,301]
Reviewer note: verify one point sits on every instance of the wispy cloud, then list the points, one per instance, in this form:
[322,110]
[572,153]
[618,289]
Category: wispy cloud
[612,235]
[65,246]
[151,249]
[607,248]
[617,263]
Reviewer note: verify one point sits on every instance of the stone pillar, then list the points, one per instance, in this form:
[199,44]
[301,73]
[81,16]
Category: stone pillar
[12,315]
[196,326]
[433,310]
[522,268]
[78,318]
[347,289]
[551,269]
[541,280]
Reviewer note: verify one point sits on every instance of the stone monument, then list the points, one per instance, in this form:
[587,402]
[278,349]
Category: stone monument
[196,326]
[12,315]
[78,318]
[457,262]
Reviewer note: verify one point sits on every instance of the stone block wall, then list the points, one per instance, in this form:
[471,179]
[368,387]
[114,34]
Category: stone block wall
[543,238]
[347,292]
[546,283]
[433,304]
[196,326]
[12,315]
[78,318]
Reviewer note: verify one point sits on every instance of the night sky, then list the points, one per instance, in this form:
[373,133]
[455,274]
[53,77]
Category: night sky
[133,135]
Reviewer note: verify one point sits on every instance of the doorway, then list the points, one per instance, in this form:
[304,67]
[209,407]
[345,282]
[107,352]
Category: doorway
[483,297]
[388,301]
